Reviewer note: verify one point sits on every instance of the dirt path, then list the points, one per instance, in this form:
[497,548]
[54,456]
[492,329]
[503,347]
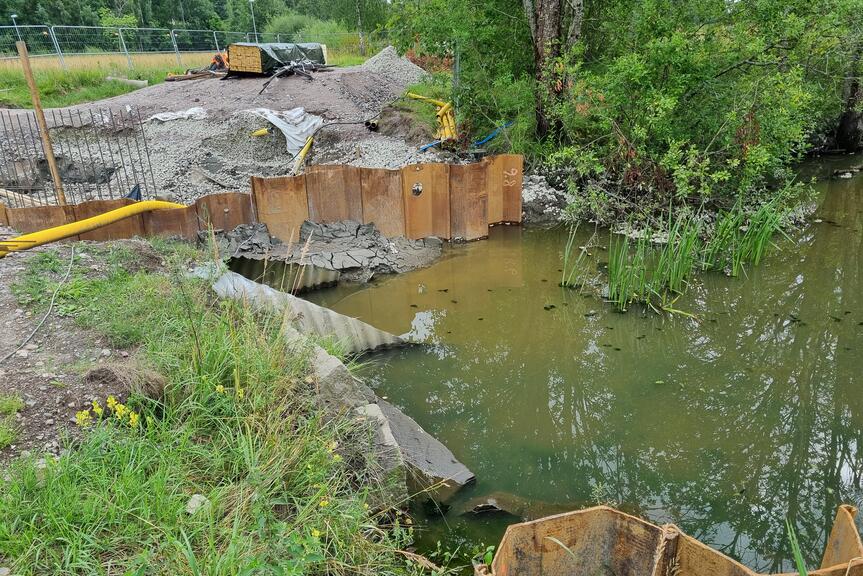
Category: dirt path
[46,374]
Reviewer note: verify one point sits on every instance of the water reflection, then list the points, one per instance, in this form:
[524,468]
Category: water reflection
[722,425]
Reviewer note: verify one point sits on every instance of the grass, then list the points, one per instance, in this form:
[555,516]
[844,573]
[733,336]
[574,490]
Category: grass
[10,404]
[287,489]
[8,432]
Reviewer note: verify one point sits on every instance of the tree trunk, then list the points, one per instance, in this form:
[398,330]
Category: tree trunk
[360,29]
[849,132]
[546,46]
[575,20]
[546,21]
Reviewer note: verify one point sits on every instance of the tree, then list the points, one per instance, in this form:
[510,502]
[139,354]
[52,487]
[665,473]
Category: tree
[546,19]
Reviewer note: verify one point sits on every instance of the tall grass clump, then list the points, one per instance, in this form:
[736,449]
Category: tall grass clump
[574,269]
[282,489]
[657,273]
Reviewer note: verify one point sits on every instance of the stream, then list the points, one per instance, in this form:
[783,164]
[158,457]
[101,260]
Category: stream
[722,423]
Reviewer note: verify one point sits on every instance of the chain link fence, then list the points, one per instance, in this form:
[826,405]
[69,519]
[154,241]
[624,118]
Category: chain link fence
[71,45]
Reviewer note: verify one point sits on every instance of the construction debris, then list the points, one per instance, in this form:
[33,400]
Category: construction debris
[299,67]
[445,118]
[297,125]
[354,335]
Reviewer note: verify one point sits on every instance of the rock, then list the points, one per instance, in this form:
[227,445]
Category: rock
[347,245]
[105,352]
[5,571]
[22,353]
[244,239]
[196,503]
[541,202]
[433,467]
[336,386]
[388,465]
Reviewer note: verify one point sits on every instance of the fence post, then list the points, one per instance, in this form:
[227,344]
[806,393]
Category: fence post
[216,42]
[40,120]
[176,48]
[123,47]
[57,47]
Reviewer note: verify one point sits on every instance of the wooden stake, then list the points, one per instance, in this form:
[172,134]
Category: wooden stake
[40,120]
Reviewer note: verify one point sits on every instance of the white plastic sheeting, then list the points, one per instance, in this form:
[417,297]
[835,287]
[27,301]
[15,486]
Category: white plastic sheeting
[297,125]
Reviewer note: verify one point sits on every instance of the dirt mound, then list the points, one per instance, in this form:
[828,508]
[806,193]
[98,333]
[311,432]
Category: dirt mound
[127,377]
[398,123]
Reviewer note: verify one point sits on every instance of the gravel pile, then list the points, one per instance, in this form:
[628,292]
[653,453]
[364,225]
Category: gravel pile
[388,63]
[379,152]
[541,202]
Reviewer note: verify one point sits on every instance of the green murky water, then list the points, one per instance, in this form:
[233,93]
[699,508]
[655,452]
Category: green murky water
[720,424]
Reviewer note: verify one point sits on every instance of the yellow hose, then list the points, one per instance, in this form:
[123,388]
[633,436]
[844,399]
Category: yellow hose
[298,162]
[81,226]
[425,99]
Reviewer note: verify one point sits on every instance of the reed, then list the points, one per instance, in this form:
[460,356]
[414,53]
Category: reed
[657,275]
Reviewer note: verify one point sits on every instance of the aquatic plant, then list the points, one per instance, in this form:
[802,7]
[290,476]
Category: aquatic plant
[795,548]
[677,256]
[574,266]
[656,274]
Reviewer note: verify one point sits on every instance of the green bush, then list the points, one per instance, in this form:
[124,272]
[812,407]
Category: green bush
[333,34]
[288,24]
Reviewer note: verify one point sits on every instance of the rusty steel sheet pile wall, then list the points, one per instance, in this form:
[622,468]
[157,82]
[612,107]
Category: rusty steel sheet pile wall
[223,211]
[597,539]
[417,201]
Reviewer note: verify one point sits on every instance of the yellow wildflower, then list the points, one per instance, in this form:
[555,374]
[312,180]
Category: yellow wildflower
[133,419]
[220,389]
[240,393]
[333,445]
[337,458]
[316,533]
[324,503]
[97,408]
[83,418]
[111,402]
[120,410]
[365,506]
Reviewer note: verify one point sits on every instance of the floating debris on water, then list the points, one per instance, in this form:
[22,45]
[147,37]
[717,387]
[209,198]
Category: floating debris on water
[549,307]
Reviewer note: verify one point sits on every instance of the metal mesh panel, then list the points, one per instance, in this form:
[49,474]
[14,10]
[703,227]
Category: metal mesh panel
[101,154]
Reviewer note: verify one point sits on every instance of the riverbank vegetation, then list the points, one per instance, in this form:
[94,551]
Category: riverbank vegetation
[229,469]
[642,106]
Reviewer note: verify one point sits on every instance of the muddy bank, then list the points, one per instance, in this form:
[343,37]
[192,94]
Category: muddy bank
[355,252]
